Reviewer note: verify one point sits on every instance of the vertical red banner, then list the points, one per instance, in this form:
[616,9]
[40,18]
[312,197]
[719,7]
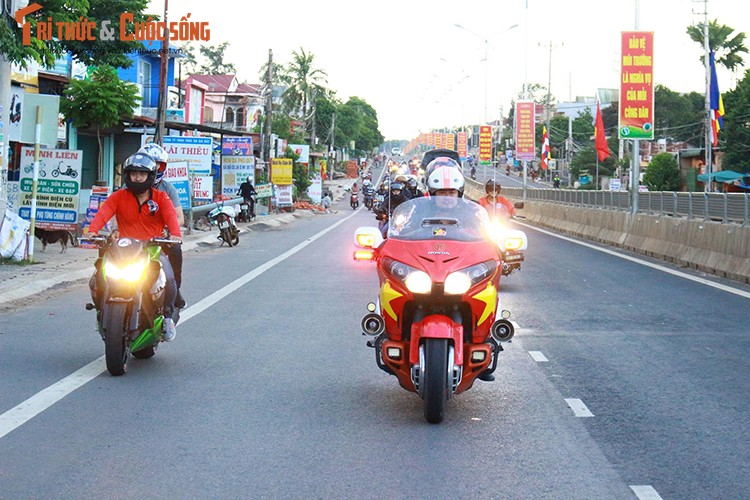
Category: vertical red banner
[463,141]
[450,141]
[525,139]
[440,140]
[636,120]
[485,143]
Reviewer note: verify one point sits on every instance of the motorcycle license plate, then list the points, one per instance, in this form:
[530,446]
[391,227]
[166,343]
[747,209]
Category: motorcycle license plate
[223,225]
[243,207]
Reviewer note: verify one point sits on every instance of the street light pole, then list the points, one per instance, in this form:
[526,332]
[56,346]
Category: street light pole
[486,60]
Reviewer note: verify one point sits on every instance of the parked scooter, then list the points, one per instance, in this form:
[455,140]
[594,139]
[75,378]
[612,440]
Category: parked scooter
[434,323]
[129,305]
[223,217]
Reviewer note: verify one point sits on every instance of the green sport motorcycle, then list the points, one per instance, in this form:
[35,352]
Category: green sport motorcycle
[127,290]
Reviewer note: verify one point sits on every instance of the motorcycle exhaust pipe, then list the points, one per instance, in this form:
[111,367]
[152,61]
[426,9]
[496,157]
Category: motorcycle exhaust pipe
[373,324]
[502,330]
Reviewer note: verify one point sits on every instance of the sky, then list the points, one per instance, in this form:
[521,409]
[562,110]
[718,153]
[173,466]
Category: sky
[419,71]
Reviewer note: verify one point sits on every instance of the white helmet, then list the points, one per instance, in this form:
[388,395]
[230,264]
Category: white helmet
[159,155]
[445,178]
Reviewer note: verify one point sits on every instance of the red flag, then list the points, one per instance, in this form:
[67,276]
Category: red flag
[602,149]
[545,149]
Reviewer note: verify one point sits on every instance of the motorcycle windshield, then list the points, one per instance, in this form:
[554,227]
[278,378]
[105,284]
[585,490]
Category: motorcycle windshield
[439,218]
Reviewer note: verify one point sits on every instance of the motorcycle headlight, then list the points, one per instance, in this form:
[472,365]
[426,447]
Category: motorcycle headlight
[131,273]
[415,280]
[459,282]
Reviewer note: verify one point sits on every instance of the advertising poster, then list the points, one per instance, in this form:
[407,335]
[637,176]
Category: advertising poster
[237,146]
[177,175]
[303,150]
[525,138]
[97,197]
[485,143]
[203,188]
[281,171]
[196,151]
[283,195]
[636,119]
[15,112]
[237,164]
[264,190]
[315,191]
[58,187]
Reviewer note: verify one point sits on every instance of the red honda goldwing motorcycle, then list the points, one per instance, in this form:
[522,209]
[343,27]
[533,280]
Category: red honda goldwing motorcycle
[434,322]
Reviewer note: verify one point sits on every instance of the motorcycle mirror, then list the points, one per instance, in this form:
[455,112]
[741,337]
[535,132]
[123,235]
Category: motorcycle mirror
[518,204]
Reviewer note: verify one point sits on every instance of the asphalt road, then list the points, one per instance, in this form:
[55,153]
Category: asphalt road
[269,390]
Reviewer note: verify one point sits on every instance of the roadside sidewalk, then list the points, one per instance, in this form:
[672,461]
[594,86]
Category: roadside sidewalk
[53,268]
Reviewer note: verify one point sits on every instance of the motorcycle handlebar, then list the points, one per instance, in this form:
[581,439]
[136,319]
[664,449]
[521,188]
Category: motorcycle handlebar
[105,240]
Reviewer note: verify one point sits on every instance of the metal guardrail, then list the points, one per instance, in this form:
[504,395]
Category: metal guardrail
[722,207]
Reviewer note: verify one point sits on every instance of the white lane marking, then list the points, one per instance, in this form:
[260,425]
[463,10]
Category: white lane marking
[645,492]
[579,409]
[658,267]
[538,356]
[22,413]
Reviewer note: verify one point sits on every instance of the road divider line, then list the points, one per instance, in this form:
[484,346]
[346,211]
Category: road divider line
[36,404]
[645,492]
[674,272]
[538,356]
[579,409]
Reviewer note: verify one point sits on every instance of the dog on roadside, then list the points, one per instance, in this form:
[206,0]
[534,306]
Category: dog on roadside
[47,236]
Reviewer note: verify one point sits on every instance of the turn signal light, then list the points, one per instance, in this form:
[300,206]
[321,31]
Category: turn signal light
[364,255]
[366,240]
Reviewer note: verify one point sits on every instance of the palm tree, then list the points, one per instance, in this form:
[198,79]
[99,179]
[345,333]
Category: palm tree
[303,82]
[723,41]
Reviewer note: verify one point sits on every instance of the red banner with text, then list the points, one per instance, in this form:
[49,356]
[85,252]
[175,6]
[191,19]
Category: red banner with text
[525,139]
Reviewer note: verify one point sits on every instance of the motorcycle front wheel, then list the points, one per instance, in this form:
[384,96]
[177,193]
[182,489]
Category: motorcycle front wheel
[115,350]
[435,379]
[55,173]
[236,240]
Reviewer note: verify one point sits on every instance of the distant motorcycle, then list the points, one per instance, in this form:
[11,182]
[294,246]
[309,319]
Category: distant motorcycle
[473,173]
[223,217]
[354,200]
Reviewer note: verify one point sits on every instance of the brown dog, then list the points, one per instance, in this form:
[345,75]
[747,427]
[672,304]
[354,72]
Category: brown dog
[46,237]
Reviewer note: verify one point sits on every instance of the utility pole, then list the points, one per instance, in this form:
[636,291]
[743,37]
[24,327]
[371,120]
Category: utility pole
[269,112]
[709,135]
[163,88]
[4,122]
[636,160]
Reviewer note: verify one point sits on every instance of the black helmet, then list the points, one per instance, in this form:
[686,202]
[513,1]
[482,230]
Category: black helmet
[397,186]
[492,187]
[139,162]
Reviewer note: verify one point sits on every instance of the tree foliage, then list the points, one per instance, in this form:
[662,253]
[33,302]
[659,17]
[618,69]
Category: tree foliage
[734,138]
[662,173]
[99,103]
[678,117]
[303,81]
[727,45]
[214,57]
[90,52]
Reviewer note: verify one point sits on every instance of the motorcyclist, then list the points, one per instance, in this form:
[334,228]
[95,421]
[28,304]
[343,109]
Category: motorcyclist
[247,191]
[142,212]
[473,172]
[556,181]
[413,188]
[368,191]
[161,157]
[384,209]
[492,198]
[446,184]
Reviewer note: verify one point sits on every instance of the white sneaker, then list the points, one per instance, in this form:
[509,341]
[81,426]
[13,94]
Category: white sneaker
[169,329]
